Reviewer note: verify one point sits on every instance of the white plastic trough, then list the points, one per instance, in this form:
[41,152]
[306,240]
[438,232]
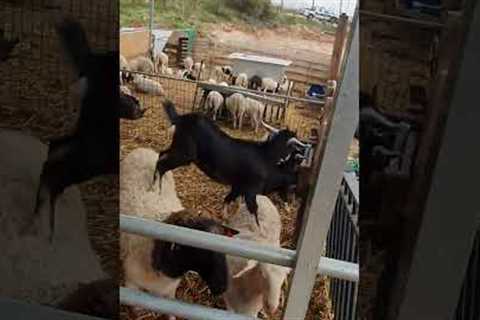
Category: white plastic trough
[259,65]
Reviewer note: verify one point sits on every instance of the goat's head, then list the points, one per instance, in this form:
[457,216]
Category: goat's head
[284,138]
[130,107]
[174,260]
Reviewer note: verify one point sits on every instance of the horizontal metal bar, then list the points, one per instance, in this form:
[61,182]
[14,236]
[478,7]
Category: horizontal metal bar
[260,94]
[175,307]
[236,247]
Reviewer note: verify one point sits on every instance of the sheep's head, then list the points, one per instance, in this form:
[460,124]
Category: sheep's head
[175,260]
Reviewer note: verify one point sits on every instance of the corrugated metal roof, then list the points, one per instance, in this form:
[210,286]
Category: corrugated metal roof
[259,59]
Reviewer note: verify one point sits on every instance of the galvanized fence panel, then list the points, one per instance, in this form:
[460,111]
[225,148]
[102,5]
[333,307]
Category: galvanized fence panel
[342,244]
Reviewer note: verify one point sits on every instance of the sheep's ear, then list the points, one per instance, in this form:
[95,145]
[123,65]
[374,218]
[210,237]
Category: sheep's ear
[227,231]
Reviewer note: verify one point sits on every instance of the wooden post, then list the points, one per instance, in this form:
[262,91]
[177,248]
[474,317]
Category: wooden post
[340,35]
[316,221]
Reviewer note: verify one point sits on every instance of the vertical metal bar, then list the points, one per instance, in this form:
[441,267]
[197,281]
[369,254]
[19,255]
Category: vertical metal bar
[150,27]
[325,194]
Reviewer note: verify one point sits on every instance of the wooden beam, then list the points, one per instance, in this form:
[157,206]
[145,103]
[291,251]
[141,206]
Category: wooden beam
[317,220]
[338,46]
[446,235]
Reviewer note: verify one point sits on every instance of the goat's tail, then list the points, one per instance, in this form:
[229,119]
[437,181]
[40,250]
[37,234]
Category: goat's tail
[171,112]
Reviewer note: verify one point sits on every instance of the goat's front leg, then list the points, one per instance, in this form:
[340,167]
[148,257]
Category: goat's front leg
[169,160]
[156,173]
[251,201]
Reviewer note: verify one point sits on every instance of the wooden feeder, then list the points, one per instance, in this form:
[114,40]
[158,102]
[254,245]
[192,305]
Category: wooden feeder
[259,65]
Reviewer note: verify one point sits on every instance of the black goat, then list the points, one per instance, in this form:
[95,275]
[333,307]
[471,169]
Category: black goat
[245,165]
[92,150]
[379,136]
[255,83]
[129,107]
[283,177]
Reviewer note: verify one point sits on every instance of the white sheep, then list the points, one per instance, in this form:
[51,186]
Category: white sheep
[142,64]
[166,70]
[137,199]
[222,73]
[268,84]
[123,66]
[242,80]
[331,87]
[149,86]
[198,69]
[255,110]
[283,87]
[255,285]
[161,61]
[235,104]
[214,102]
[142,256]
[188,63]
[125,90]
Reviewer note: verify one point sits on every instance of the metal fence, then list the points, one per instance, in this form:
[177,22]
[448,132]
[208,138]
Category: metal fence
[468,306]
[342,244]
[189,96]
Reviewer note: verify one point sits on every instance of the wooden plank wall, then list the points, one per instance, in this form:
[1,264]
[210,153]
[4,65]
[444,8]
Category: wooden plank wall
[302,71]
[133,44]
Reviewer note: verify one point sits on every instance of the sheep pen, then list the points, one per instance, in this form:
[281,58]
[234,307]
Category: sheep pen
[198,192]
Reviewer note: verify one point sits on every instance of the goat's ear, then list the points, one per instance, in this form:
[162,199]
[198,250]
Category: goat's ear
[227,231]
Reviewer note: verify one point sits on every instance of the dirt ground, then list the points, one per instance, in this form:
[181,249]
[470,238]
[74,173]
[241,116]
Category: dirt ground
[197,191]
[295,43]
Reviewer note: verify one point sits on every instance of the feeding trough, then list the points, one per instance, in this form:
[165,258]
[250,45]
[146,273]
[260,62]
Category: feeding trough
[261,66]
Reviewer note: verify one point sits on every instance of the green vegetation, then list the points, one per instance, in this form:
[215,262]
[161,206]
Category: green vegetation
[196,13]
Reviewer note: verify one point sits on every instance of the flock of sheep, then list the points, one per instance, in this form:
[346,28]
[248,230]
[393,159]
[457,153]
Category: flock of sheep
[253,170]
[237,104]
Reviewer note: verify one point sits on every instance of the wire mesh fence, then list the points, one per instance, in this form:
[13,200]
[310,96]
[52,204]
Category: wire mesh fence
[35,97]
[299,115]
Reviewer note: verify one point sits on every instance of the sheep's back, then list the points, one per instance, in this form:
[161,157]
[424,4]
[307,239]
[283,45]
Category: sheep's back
[268,217]
[136,174]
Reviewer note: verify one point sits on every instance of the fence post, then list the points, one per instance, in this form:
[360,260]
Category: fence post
[340,35]
[150,28]
[317,220]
